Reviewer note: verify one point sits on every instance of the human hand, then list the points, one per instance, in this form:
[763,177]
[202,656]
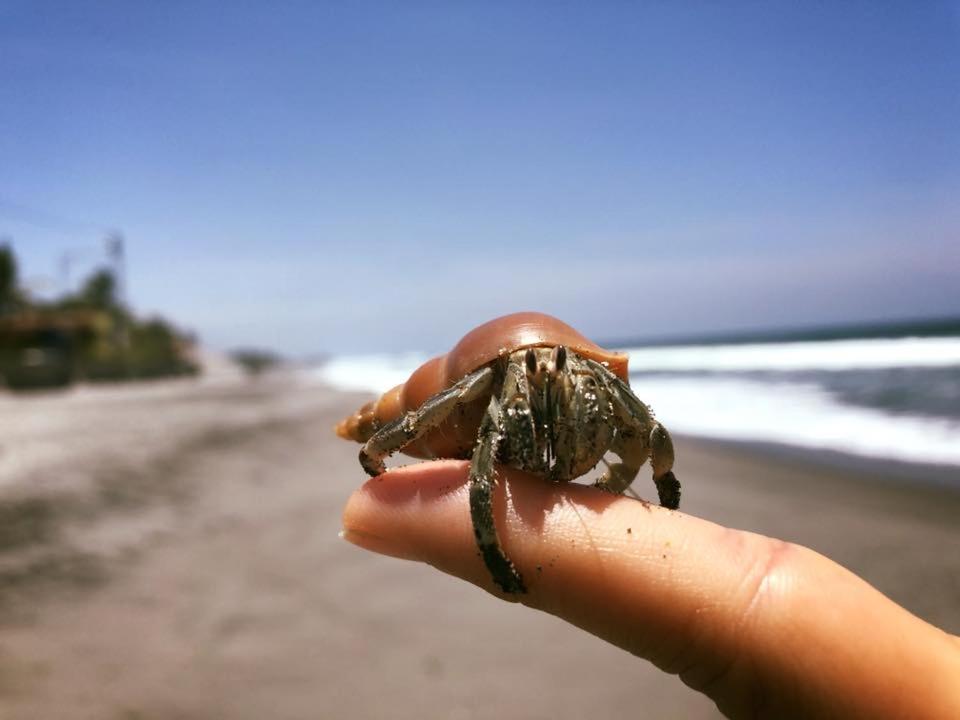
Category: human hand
[763,627]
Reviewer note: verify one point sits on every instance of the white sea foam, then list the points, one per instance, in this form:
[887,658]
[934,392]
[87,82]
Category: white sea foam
[373,373]
[806,355]
[795,414]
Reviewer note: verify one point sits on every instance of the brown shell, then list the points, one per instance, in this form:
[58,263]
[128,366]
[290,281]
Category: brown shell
[457,435]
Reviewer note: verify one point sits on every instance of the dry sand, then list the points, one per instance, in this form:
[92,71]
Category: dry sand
[171,551]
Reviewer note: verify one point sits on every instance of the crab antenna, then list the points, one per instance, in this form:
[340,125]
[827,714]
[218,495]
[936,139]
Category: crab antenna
[558,358]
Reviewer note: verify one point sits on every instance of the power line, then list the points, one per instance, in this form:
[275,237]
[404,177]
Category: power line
[46,220]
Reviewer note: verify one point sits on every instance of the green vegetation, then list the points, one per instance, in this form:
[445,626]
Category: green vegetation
[88,335]
[10,299]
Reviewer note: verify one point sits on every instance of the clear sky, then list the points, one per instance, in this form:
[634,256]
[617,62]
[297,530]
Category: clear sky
[354,176]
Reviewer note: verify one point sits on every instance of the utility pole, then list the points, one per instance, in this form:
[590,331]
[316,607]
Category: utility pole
[65,261]
[115,251]
[114,247]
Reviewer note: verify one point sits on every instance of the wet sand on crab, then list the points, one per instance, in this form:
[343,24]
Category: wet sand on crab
[171,550]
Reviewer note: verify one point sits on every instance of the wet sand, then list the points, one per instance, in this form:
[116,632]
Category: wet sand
[171,551]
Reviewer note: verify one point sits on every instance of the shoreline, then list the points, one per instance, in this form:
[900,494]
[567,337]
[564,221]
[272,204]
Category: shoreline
[864,468]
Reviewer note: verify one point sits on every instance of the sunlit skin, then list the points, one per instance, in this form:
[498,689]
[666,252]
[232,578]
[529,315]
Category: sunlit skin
[763,627]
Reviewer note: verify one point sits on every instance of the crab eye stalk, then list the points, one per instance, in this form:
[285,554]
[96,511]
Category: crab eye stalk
[531,360]
[558,359]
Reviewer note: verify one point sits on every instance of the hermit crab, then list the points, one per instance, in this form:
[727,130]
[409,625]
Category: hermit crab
[528,391]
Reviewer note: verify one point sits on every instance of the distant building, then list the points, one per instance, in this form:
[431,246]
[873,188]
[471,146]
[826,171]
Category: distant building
[44,348]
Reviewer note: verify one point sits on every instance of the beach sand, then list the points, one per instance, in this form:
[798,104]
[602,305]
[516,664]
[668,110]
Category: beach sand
[170,551]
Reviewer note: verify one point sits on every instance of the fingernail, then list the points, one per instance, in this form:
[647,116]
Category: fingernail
[377,544]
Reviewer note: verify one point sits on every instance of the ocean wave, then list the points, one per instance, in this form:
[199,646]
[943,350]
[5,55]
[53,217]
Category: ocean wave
[806,355]
[370,373]
[798,414]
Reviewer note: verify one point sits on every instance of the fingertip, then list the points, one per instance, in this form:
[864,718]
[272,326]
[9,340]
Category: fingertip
[414,512]
[568,541]
[607,563]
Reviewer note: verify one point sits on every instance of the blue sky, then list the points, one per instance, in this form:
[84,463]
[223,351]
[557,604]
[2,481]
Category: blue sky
[318,177]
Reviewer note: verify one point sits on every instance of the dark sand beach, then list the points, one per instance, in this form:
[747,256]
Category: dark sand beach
[171,551]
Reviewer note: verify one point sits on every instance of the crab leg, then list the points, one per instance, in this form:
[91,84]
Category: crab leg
[661,458]
[633,453]
[581,423]
[482,483]
[641,436]
[519,446]
[404,430]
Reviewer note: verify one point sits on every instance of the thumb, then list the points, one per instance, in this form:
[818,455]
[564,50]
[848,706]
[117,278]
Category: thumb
[764,627]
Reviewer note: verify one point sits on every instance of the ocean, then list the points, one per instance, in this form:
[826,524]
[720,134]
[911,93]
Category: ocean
[889,392]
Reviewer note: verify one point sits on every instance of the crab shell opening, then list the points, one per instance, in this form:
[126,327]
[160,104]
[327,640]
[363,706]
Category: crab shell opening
[456,436]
